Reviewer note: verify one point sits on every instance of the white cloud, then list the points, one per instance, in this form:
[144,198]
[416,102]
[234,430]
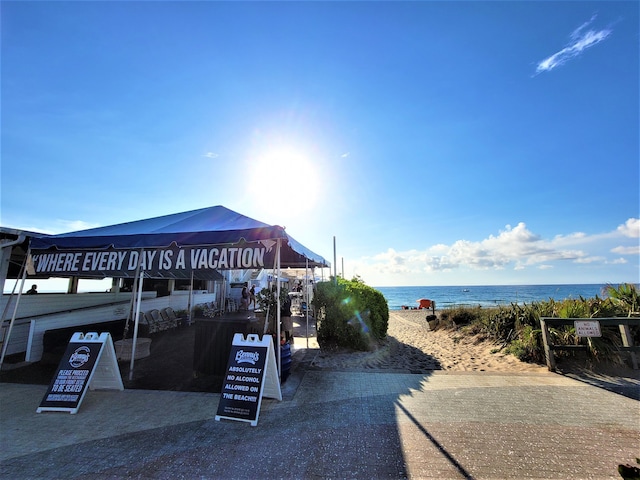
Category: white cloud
[594,259]
[631,228]
[514,249]
[211,155]
[580,41]
[619,261]
[632,250]
[75,225]
[58,226]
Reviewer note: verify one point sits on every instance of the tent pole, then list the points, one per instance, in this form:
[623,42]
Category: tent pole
[140,275]
[190,300]
[278,317]
[130,313]
[306,295]
[5,341]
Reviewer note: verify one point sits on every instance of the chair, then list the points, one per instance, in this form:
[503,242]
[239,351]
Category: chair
[147,323]
[232,305]
[157,320]
[171,322]
[170,316]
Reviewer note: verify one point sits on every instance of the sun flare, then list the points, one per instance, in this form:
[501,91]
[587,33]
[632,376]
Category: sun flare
[289,174]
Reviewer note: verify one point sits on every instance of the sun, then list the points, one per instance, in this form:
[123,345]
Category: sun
[289,177]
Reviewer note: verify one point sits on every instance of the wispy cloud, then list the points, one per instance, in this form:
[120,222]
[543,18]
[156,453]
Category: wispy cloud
[58,226]
[581,39]
[75,225]
[632,250]
[211,155]
[514,248]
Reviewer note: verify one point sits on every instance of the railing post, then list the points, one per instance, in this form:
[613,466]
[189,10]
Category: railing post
[627,341]
[546,340]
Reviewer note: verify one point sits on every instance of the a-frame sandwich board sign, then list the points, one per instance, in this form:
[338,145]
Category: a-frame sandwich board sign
[89,361]
[252,373]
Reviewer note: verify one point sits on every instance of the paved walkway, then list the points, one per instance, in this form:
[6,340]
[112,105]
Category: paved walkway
[332,425]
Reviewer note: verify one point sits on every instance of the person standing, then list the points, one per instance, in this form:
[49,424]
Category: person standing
[252,296]
[244,300]
[285,318]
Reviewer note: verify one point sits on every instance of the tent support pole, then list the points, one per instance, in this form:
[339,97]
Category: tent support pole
[130,313]
[306,295]
[190,300]
[139,275]
[278,316]
[5,341]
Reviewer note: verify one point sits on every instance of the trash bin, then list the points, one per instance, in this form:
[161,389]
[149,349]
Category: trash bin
[285,362]
[213,339]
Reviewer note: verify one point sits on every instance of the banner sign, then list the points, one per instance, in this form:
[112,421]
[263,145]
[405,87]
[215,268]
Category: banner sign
[251,367]
[170,261]
[84,356]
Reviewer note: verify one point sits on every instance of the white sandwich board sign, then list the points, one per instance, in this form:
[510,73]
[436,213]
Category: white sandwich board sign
[89,361]
[251,374]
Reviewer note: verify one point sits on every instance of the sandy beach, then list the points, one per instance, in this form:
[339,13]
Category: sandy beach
[411,347]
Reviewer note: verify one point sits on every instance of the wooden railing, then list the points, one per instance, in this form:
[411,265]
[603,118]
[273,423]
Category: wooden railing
[622,322]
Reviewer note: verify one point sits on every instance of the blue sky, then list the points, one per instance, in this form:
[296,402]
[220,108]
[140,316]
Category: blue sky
[441,143]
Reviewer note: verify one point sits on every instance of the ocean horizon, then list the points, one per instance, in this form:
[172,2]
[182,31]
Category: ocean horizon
[488,295]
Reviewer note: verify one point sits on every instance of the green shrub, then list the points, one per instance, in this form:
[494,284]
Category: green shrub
[350,314]
[528,346]
[204,310]
[458,316]
[517,327]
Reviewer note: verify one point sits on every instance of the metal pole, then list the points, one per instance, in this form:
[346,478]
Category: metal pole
[140,275]
[278,317]
[335,265]
[306,296]
[5,344]
[190,300]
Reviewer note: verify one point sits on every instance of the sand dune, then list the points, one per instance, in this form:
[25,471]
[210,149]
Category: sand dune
[412,347]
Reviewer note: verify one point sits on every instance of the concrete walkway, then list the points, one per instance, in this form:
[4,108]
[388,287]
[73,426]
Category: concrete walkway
[332,425]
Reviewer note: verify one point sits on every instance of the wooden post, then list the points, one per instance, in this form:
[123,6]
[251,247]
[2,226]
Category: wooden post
[546,340]
[627,341]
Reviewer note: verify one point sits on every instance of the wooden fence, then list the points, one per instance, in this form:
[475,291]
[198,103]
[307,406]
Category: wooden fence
[623,324]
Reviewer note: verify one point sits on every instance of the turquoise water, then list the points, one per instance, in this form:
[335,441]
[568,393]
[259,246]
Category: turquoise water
[486,295]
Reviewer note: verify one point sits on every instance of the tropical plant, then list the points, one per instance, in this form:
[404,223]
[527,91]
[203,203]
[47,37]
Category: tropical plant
[267,300]
[517,327]
[625,296]
[528,346]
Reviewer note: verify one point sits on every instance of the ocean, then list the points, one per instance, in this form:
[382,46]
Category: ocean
[486,296]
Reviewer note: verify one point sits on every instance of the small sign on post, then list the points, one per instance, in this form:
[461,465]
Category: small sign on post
[251,374]
[587,328]
[89,361]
